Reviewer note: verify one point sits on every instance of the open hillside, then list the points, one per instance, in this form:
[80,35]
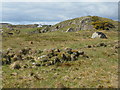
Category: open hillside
[62,55]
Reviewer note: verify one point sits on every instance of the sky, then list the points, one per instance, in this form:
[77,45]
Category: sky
[54,12]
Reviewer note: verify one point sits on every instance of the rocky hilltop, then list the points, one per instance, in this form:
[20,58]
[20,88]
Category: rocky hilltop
[86,23]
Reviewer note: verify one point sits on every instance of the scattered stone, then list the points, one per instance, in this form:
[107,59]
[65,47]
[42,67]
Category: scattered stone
[48,57]
[101,45]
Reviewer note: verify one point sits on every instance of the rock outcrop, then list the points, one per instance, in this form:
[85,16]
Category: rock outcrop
[84,23]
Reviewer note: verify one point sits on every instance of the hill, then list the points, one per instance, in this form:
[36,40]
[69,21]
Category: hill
[86,23]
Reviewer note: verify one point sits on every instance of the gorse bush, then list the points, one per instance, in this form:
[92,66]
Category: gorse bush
[95,18]
[102,25]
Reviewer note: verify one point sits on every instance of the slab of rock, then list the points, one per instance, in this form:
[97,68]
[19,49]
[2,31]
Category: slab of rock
[70,30]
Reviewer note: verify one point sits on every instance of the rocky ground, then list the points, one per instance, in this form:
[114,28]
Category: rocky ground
[60,60]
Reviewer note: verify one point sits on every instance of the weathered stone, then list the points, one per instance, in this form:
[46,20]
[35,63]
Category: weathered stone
[6,60]
[37,64]
[99,35]
[85,24]
[25,66]
[15,65]
[56,60]
[57,50]
[81,52]
[31,42]
[17,57]
[70,30]
[73,57]
[60,86]
[48,64]
[68,57]
[25,51]
[44,60]
[14,74]
[75,52]
[68,50]
[89,46]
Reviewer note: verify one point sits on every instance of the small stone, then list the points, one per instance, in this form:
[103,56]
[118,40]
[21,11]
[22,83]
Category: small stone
[73,57]
[85,56]
[43,56]
[101,44]
[31,74]
[37,64]
[47,64]
[89,46]
[60,85]
[13,74]
[68,50]
[31,42]
[15,65]
[81,52]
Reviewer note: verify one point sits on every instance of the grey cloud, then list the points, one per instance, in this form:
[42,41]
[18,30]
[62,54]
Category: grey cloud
[39,11]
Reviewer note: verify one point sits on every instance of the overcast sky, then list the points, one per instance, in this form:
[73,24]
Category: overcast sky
[53,12]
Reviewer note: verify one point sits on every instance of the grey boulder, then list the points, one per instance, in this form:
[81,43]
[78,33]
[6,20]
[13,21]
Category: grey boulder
[99,35]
